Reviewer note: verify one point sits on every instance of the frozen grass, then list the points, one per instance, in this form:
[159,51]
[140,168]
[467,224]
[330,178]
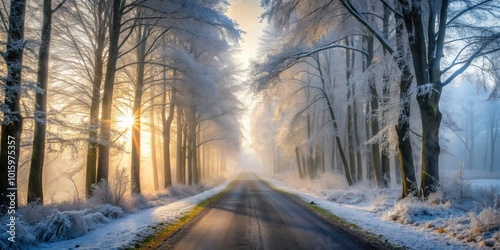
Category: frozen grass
[38,224]
[461,212]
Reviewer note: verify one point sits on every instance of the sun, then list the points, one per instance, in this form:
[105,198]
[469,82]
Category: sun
[125,121]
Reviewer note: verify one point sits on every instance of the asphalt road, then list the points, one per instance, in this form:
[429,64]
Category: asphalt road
[253,216]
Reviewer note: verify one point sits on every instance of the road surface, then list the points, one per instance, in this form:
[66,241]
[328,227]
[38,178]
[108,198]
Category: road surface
[253,216]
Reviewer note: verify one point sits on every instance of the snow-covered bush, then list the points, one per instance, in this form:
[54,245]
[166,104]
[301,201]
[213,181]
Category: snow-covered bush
[412,210]
[37,223]
[482,228]
[112,191]
[67,225]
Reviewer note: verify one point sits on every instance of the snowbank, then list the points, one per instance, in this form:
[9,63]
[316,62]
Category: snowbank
[467,218]
[104,226]
[127,231]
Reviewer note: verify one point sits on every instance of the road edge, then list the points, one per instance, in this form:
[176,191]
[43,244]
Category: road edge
[166,231]
[369,238]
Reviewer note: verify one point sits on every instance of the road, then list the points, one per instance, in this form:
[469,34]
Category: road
[253,216]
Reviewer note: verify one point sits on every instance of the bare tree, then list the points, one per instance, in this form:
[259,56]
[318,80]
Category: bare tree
[35,187]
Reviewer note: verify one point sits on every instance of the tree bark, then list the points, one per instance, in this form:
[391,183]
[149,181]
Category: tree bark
[427,52]
[100,40]
[109,82]
[370,169]
[431,121]
[180,157]
[350,100]
[196,172]
[374,120]
[190,146]
[299,167]
[35,180]
[152,129]
[12,120]
[135,165]
[405,151]
[167,124]
[359,166]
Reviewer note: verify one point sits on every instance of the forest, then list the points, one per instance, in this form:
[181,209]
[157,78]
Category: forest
[358,86]
[93,86]
[110,106]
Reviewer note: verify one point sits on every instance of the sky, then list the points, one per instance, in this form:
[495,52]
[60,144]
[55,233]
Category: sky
[247,14]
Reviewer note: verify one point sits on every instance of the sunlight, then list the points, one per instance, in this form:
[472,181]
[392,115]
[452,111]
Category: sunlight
[125,121]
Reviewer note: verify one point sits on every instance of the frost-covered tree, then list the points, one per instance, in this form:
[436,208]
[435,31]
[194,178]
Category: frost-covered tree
[35,187]
[82,31]
[465,27]
[12,121]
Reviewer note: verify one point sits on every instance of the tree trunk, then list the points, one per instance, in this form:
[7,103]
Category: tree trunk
[405,151]
[96,98]
[427,52]
[167,123]
[189,155]
[184,156]
[299,167]
[152,129]
[196,173]
[310,160]
[180,158]
[350,100]
[333,162]
[35,183]
[109,82]
[492,153]
[493,131]
[199,154]
[359,166]
[135,166]
[12,120]
[374,119]
[370,169]
[431,120]
[385,161]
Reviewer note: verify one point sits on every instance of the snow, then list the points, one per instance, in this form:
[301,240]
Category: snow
[485,183]
[126,231]
[437,223]
[466,215]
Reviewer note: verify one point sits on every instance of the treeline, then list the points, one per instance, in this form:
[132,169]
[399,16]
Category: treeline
[83,80]
[356,85]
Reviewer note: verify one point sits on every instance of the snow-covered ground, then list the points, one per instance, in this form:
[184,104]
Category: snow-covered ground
[462,217]
[485,183]
[125,232]
[107,227]
[465,216]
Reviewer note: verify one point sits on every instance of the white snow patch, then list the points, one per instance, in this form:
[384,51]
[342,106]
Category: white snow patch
[127,231]
[469,219]
[485,183]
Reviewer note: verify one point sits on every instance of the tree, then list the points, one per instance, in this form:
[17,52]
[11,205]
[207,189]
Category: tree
[35,187]
[12,120]
[166,125]
[118,8]
[427,46]
[82,31]
[101,18]
[493,127]
[426,26]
